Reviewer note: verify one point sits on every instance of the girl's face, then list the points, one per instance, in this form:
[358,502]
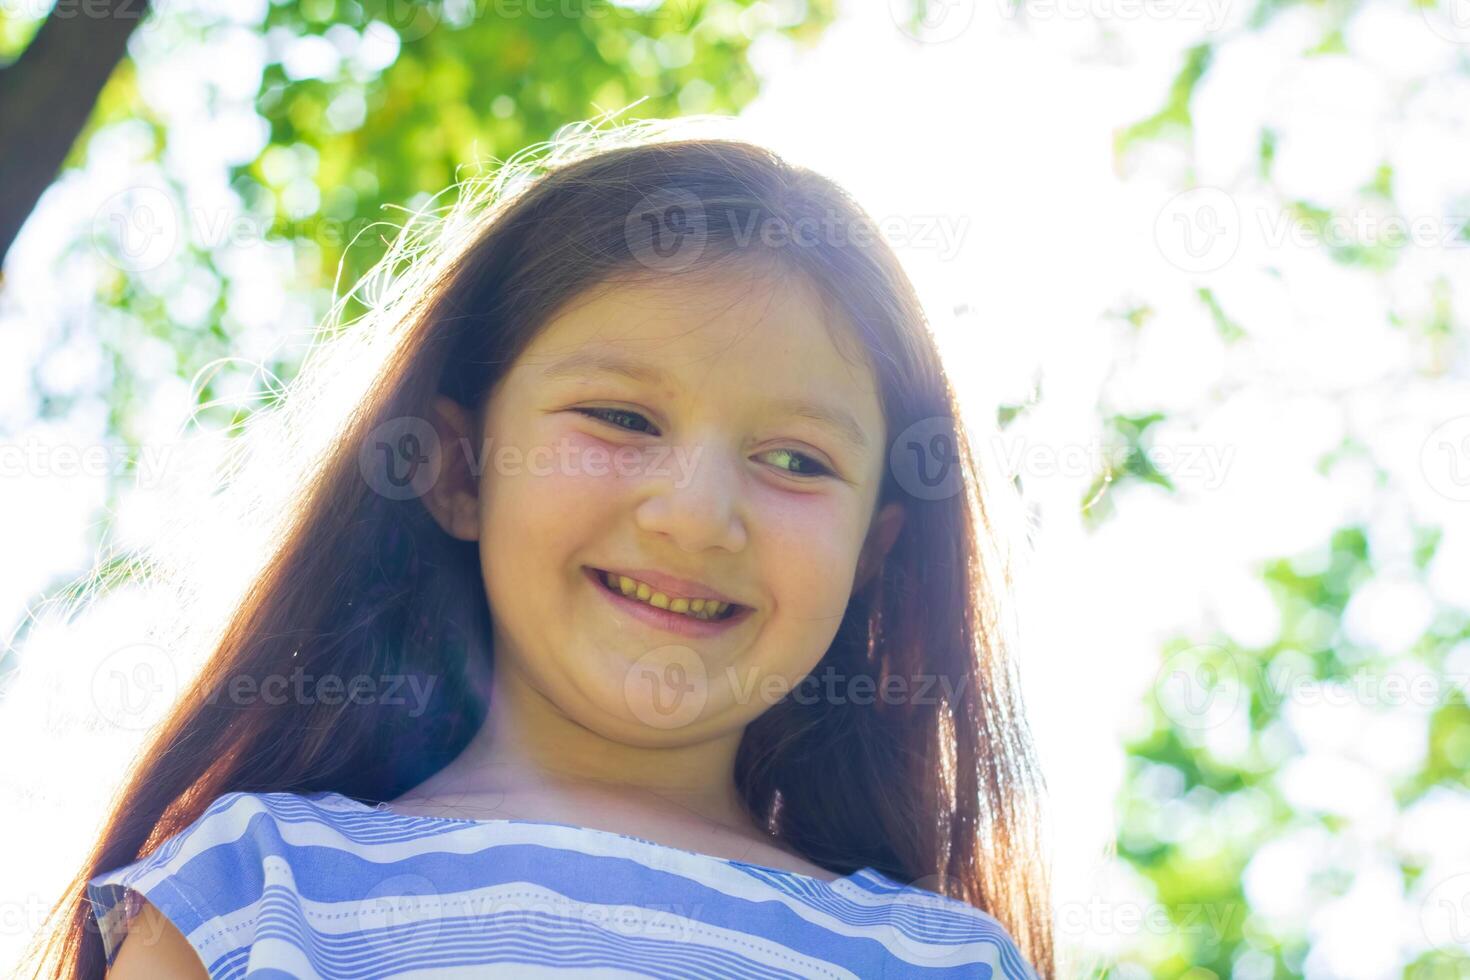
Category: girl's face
[655,428]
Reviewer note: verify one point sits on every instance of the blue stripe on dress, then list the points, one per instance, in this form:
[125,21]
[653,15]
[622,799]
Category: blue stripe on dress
[325,886]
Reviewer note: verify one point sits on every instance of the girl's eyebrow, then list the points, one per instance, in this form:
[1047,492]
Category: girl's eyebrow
[585,362]
[591,361]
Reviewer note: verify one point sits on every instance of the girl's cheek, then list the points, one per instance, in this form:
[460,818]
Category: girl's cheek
[583,463]
[539,479]
[553,458]
[812,529]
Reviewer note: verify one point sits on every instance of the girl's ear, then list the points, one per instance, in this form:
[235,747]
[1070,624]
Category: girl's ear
[880,539]
[454,498]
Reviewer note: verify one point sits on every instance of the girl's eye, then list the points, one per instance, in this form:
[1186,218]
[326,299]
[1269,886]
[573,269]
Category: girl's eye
[601,413]
[807,462]
[819,469]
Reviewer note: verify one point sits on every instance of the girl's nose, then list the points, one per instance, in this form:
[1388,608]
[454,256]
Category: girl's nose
[698,504]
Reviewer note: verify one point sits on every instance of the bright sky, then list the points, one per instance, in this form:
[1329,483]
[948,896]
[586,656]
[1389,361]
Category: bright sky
[987,152]
[1008,134]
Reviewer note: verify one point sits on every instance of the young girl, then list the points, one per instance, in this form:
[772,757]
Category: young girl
[643,618]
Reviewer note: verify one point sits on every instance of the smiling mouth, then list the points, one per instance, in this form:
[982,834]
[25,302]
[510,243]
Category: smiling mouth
[700,610]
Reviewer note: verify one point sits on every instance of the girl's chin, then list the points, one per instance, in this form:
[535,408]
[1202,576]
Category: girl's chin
[633,693]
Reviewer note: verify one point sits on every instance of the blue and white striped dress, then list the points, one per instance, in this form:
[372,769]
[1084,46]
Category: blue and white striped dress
[268,885]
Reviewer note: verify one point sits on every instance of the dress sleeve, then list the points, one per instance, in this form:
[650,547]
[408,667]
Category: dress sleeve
[196,879]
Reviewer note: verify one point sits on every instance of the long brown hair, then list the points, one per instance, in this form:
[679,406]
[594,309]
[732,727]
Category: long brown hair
[942,790]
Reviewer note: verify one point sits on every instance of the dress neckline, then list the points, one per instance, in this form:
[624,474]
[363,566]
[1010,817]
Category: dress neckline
[682,854]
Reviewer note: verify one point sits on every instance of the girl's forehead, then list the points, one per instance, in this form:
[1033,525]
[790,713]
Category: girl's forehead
[697,318]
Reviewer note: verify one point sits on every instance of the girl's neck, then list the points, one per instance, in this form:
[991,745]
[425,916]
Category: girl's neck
[528,749]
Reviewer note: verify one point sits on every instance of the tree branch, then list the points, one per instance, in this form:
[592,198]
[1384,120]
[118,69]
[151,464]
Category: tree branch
[48,94]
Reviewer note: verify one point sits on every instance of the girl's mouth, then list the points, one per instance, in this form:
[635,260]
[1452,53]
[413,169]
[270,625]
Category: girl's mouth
[689,618]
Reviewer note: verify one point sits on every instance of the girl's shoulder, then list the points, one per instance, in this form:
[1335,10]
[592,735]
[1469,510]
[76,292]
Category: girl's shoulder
[933,930]
[208,878]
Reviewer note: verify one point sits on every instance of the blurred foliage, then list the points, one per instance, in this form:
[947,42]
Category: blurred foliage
[1182,778]
[399,101]
[1209,780]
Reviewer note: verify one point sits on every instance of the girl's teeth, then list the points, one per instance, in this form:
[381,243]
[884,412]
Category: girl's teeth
[696,608]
